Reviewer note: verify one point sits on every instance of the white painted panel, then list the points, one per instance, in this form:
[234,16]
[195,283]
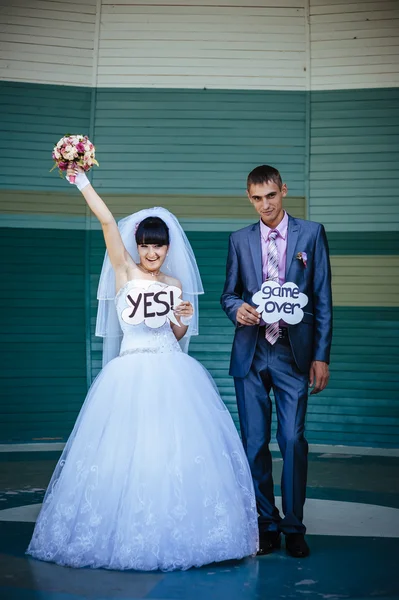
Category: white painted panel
[203,44]
[350,8]
[194,82]
[354,33]
[343,3]
[196,47]
[14,49]
[211,3]
[44,42]
[354,44]
[345,82]
[367,52]
[22,16]
[89,6]
[347,18]
[39,76]
[47,41]
[202,9]
[355,61]
[152,52]
[46,62]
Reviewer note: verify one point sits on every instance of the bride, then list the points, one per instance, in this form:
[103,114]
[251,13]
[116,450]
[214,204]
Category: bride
[154,475]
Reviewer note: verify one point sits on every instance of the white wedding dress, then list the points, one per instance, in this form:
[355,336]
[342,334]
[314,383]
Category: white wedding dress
[154,475]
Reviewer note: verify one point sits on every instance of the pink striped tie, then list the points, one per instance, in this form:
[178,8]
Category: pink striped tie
[272,329]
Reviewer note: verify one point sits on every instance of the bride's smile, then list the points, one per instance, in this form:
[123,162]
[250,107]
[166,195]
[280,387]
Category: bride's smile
[152,256]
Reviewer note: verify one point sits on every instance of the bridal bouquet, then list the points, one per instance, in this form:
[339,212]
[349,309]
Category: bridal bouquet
[74,151]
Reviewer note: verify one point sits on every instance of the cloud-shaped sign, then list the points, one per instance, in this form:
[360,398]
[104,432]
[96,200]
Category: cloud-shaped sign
[154,305]
[275,302]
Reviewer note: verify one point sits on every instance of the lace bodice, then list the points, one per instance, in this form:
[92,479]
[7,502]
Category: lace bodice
[141,338]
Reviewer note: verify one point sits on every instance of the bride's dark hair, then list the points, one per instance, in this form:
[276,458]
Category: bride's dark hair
[152,230]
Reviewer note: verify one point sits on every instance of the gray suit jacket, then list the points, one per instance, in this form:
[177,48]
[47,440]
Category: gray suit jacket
[310,339]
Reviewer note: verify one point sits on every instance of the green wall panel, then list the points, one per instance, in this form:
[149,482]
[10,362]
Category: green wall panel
[43,325]
[365,243]
[361,403]
[32,119]
[192,143]
[42,321]
[197,141]
[152,140]
[354,157]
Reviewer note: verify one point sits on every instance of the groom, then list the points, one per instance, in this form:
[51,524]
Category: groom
[278,357]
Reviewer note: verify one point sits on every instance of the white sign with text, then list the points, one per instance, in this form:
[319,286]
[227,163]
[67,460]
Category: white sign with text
[277,302]
[154,305]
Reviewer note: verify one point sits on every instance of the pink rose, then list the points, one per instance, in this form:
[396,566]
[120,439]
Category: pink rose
[63,165]
[80,148]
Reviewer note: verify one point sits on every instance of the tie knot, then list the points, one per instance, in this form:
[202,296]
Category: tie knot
[273,235]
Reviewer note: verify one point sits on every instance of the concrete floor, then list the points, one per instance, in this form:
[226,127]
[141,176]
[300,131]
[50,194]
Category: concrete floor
[352,514]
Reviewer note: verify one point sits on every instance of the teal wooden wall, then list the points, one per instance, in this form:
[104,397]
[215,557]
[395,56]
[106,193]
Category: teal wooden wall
[153,141]
[32,119]
[354,158]
[361,404]
[42,321]
[197,141]
[197,144]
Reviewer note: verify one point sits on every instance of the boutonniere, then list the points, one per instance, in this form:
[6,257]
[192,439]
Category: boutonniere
[303,257]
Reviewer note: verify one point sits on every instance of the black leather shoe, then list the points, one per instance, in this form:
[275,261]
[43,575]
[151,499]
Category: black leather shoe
[296,545]
[269,541]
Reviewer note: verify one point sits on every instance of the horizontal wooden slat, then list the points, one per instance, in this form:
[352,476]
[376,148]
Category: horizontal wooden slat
[195,46]
[208,3]
[30,31]
[350,7]
[202,45]
[42,318]
[354,148]
[34,204]
[209,135]
[345,42]
[88,7]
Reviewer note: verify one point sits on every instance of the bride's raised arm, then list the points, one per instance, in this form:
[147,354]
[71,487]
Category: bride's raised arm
[121,260]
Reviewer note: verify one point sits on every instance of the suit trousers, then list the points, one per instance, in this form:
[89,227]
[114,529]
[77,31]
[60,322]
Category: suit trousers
[273,367]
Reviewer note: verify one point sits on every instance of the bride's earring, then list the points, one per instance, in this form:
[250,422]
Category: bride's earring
[167,264]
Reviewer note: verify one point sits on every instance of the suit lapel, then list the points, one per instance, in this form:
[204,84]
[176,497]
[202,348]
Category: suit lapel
[256,251]
[292,239]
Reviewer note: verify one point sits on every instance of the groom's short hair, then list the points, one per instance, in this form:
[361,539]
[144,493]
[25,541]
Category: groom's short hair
[264,174]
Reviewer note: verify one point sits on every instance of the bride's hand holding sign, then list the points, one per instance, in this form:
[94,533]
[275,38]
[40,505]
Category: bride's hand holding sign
[184,312]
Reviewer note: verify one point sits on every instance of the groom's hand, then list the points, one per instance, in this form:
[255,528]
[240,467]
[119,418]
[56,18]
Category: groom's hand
[247,315]
[318,376]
